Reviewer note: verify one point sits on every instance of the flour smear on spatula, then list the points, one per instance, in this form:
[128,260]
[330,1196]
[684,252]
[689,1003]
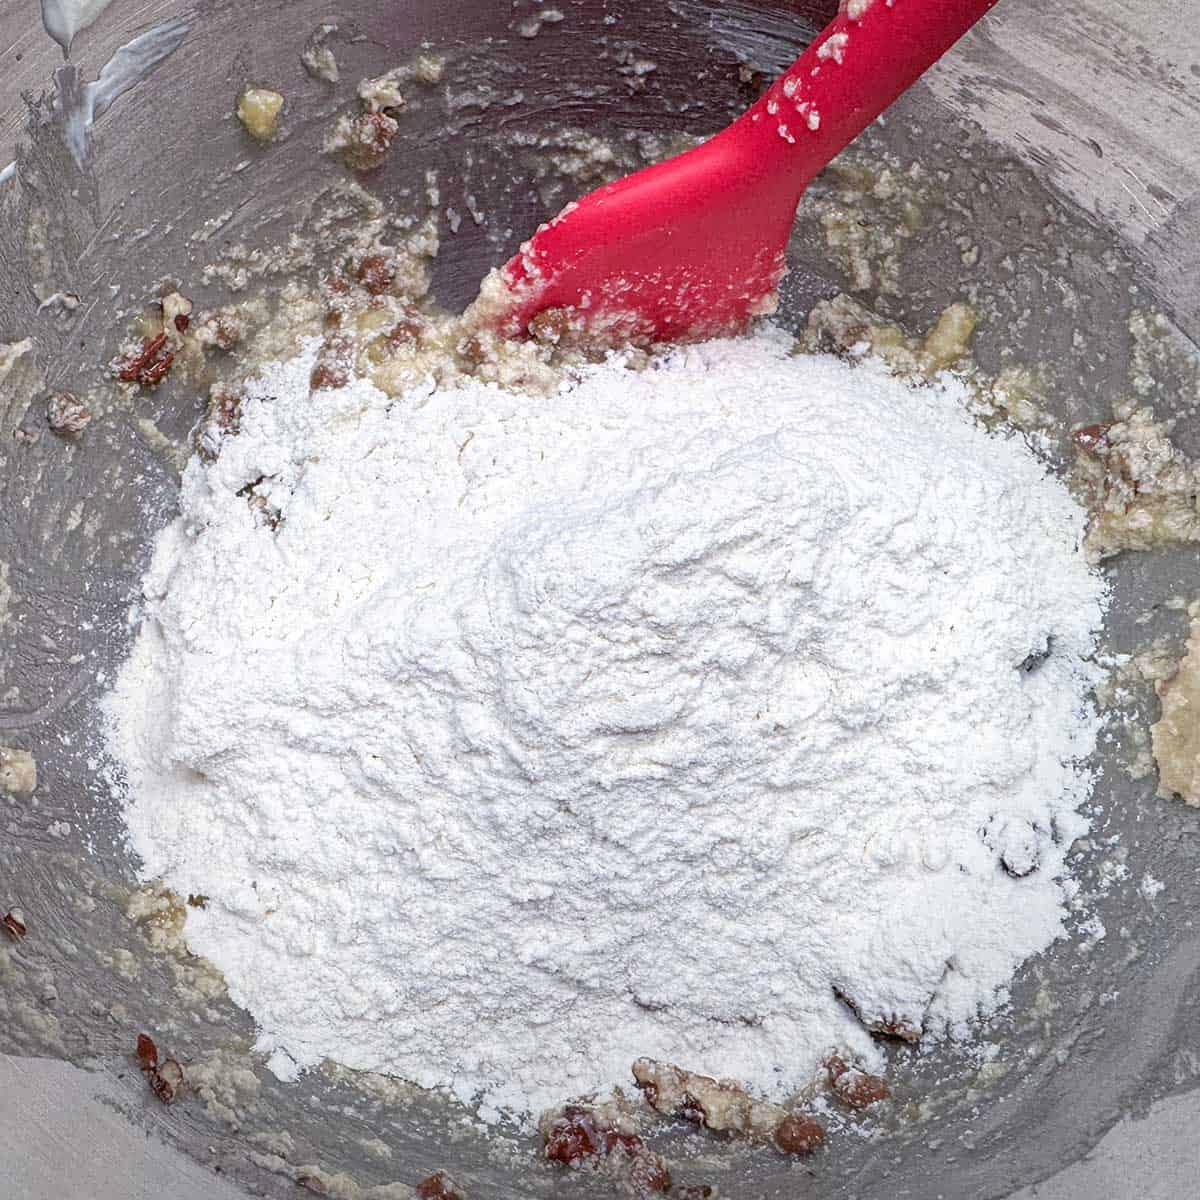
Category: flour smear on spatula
[708,712]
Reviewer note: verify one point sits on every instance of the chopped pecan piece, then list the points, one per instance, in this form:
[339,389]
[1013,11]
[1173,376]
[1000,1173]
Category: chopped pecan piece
[799,1134]
[219,329]
[599,1138]
[66,414]
[853,1087]
[377,273]
[166,1079]
[439,1186]
[1092,438]
[718,1104]
[334,363]
[550,326]
[14,924]
[148,366]
[366,139]
[147,1052]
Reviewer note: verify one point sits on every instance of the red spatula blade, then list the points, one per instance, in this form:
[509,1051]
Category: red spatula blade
[694,247]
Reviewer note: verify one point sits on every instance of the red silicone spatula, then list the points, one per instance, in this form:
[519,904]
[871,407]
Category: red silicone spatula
[694,247]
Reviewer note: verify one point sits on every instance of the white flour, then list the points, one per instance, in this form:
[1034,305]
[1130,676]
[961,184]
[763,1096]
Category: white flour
[543,734]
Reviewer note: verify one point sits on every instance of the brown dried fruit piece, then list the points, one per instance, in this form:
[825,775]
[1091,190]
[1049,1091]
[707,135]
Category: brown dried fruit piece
[854,1087]
[439,1186]
[148,366]
[799,1134]
[176,313]
[66,414]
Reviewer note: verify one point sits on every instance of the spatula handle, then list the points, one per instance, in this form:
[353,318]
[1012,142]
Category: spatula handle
[864,58]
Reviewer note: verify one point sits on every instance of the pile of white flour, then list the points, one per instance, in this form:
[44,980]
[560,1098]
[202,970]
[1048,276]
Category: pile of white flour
[671,716]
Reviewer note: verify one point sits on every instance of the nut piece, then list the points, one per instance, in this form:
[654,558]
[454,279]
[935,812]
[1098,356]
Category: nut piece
[147,366]
[600,1138]
[439,1186]
[66,414]
[1092,439]
[258,110]
[364,140]
[147,1053]
[14,924]
[165,1080]
[853,1087]
[176,315]
[718,1104]
[376,272]
[223,418]
[220,329]
[550,326]
[18,772]
[577,1131]
[335,363]
[799,1134]
[907,1027]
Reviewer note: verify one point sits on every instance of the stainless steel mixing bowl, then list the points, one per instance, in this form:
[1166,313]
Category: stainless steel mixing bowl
[1061,197]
